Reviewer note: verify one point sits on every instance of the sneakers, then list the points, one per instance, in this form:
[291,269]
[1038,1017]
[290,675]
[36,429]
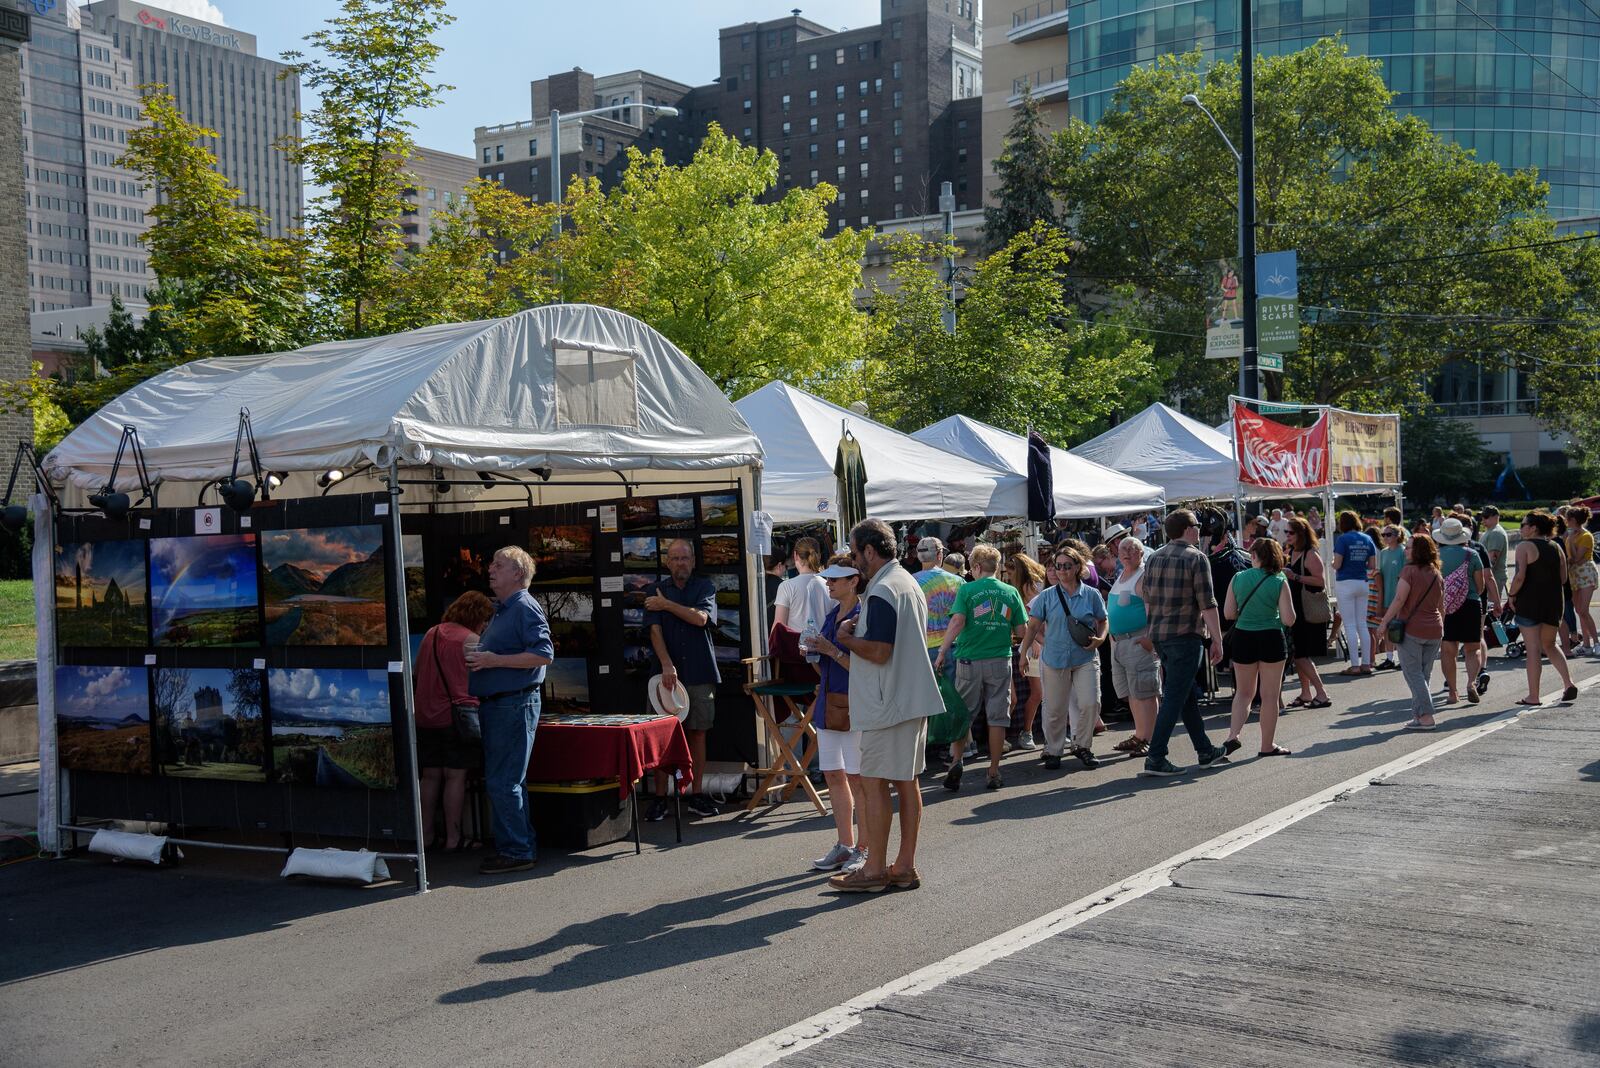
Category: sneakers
[1164,770]
[501,865]
[1087,759]
[1025,742]
[952,778]
[701,805]
[1217,756]
[657,811]
[1051,761]
[994,783]
[1481,684]
[857,861]
[837,857]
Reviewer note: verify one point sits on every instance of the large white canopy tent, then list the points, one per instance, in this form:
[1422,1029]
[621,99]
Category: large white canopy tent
[1083,489]
[573,402]
[906,478]
[1186,458]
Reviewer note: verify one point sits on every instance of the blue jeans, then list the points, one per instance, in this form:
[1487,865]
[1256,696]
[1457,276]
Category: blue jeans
[1180,666]
[508,727]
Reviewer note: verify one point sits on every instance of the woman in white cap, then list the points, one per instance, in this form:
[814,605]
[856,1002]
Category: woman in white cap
[1462,574]
[838,746]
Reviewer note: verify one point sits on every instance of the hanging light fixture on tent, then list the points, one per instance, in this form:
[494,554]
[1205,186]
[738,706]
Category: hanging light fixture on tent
[15,516]
[327,479]
[116,505]
[240,493]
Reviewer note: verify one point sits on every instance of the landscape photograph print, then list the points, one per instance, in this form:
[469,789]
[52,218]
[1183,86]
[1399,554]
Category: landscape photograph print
[562,555]
[677,513]
[639,513]
[203,591]
[103,719]
[331,727]
[208,723]
[324,586]
[101,594]
[719,510]
[416,576]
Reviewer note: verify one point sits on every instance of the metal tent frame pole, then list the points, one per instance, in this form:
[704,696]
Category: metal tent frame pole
[405,673]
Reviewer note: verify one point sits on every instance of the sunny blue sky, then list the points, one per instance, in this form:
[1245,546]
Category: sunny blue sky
[494,49]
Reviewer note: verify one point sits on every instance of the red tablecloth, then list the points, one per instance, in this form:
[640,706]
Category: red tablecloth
[591,749]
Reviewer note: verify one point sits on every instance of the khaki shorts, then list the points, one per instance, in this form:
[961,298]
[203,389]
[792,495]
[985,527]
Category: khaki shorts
[895,753]
[985,686]
[1135,672]
[702,707]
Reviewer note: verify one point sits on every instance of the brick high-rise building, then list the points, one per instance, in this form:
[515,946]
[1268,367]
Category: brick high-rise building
[14,352]
[885,113]
[438,180]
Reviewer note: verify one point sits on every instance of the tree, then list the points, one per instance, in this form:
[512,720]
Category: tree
[1443,459]
[1017,356]
[226,288]
[1412,252]
[751,289]
[372,72]
[1023,195]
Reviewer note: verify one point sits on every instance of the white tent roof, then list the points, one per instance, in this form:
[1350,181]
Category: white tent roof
[906,479]
[1083,488]
[1184,457]
[471,396]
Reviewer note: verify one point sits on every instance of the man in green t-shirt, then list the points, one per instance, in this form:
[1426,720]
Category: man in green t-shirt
[1498,545]
[987,617]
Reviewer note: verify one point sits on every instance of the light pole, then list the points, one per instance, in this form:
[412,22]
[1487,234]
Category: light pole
[947,208]
[556,119]
[1246,259]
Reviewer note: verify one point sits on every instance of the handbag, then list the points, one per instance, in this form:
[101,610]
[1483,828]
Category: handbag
[1314,606]
[463,714]
[836,711]
[1228,635]
[1079,631]
[1397,626]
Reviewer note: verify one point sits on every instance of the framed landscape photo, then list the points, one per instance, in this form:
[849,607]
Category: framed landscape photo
[677,513]
[332,727]
[639,513]
[203,591]
[102,594]
[719,510]
[103,719]
[325,586]
[209,723]
[562,555]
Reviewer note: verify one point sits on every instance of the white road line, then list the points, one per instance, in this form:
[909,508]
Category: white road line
[808,1032]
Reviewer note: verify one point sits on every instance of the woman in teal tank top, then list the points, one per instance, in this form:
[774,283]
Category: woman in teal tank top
[1261,606]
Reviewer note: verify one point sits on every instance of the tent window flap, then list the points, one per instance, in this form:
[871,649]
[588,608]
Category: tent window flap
[596,388]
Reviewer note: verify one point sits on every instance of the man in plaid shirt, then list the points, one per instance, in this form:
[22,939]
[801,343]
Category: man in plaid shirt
[1177,592]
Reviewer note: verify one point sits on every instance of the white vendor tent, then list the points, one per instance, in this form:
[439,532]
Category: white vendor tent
[1083,489]
[566,387]
[906,479]
[1186,458]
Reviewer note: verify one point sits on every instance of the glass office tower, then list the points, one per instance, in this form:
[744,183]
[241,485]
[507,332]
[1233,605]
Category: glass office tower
[1517,80]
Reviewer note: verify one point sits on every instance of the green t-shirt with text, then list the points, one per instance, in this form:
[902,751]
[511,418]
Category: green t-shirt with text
[992,608]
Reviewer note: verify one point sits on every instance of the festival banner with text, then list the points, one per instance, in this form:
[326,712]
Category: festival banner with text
[1280,457]
[1363,449]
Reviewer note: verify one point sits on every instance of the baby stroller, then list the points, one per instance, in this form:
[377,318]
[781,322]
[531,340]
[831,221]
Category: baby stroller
[1516,648]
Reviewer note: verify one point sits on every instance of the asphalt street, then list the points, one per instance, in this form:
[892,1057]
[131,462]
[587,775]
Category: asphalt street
[673,957]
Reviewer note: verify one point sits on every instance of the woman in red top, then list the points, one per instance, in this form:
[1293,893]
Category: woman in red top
[442,756]
[1419,602]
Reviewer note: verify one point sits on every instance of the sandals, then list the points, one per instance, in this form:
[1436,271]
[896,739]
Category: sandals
[1276,750]
[1300,702]
[1352,671]
[1325,702]
[1530,704]
[1132,744]
[466,845]
[1418,725]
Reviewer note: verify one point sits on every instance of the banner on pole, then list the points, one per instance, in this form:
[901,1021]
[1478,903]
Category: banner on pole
[1277,304]
[1363,449]
[1275,456]
[1224,311]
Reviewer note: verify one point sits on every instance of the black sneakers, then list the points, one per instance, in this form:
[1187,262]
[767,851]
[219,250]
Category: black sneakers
[701,805]
[501,865]
[952,778]
[657,811]
[1087,759]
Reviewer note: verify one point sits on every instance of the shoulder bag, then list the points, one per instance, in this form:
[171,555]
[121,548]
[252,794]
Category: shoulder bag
[463,714]
[1397,626]
[836,706]
[1228,639]
[1313,603]
[1081,633]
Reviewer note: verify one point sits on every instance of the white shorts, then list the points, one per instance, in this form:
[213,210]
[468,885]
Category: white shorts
[839,751]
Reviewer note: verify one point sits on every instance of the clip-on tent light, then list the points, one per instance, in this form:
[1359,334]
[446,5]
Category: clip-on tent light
[116,505]
[239,493]
[15,516]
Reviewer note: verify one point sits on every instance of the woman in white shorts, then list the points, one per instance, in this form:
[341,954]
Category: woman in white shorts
[838,747]
[1134,670]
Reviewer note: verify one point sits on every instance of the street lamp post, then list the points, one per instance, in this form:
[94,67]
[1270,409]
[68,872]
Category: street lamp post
[556,118]
[947,208]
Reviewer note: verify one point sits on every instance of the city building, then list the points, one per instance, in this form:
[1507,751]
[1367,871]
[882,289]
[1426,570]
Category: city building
[84,214]
[1024,46]
[438,180]
[885,113]
[15,30]
[517,154]
[220,83]
[57,335]
[966,228]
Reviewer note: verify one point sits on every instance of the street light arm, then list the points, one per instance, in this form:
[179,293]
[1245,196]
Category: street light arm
[660,109]
[1194,101]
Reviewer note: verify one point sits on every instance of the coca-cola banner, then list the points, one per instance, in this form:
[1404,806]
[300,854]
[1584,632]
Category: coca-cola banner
[1277,456]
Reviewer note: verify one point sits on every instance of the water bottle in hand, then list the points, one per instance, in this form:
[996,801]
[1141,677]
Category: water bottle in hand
[807,636]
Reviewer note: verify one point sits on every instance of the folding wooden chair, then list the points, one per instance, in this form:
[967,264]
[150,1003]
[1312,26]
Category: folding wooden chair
[784,699]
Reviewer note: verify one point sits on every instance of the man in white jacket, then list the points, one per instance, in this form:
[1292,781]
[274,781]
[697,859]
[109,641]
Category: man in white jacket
[892,694]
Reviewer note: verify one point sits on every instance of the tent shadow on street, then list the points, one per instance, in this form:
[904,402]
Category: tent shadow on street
[660,937]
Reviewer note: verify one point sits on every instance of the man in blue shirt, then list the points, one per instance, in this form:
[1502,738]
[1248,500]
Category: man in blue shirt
[680,616]
[507,668]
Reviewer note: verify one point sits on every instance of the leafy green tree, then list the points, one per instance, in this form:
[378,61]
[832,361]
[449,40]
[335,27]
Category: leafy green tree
[1443,459]
[226,288]
[1017,356]
[371,67]
[1023,195]
[1412,252]
[751,289]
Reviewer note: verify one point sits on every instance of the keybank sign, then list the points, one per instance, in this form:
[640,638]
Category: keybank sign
[194,31]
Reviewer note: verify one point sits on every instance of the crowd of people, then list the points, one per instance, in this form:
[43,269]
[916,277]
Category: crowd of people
[1025,645]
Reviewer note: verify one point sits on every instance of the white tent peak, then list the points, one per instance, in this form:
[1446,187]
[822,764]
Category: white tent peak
[469,396]
[1182,455]
[1082,488]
